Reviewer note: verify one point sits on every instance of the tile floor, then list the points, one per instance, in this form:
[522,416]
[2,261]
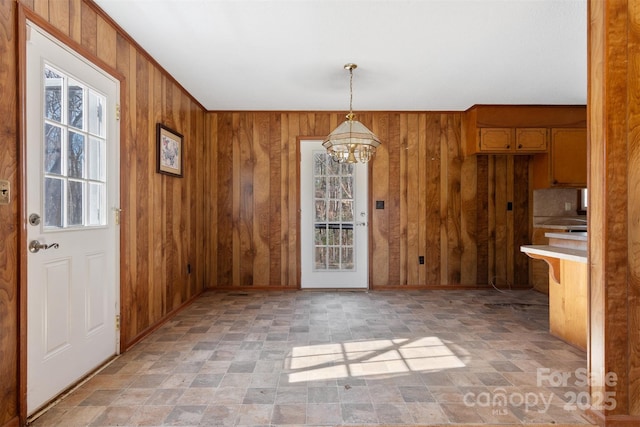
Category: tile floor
[340,358]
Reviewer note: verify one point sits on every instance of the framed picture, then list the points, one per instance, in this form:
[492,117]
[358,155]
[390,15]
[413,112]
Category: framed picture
[169,151]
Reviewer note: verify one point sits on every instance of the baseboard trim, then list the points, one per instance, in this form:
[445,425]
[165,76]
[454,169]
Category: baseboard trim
[603,420]
[373,288]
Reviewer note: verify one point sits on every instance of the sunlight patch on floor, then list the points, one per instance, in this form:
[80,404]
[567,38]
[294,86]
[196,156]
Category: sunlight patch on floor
[370,358]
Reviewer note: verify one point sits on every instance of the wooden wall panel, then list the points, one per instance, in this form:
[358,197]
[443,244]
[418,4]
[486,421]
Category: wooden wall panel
[261,188]
[209,265]
[633,93]
[393,200]
[274,198]
[521,224]
[9,230]
[379,183]
[482,218]
[438,204]
[451,132]
[408,225]
[75,20]
[614,180]
[59,15]
[224,203]
[430,225]
[89,28]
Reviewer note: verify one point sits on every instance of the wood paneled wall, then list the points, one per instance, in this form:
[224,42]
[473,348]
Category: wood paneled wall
[614,209]
[438,204]
[163,228]
[9,230]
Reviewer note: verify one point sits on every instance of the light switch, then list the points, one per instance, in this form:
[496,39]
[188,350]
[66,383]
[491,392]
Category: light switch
[5,192]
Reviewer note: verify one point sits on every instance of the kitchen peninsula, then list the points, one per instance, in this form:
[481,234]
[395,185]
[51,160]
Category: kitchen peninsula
[566,255]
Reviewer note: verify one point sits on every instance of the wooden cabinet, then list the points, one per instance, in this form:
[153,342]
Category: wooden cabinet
[566,255]
[496,139]
[566,163]
[568,302]
[568,158]
[517,129]
[532,139]
[513,141]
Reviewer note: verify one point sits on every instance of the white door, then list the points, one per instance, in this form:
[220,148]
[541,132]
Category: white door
[72,195]
[333,223]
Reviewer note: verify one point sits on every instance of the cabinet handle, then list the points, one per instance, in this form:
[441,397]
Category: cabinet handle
[520,146]
[508,146]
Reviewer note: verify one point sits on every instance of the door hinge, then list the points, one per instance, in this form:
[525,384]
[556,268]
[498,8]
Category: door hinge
[117,322]
[117,111]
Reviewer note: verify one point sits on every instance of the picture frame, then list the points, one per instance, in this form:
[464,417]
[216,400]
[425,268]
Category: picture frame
[169,151]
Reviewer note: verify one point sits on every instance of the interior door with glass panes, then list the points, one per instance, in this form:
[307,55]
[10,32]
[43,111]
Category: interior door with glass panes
[333,222]
[72,154]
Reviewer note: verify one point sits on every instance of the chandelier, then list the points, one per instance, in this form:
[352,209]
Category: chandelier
[351,141]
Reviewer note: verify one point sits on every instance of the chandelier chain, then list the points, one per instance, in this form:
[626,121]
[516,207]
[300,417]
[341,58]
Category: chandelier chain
[351,91]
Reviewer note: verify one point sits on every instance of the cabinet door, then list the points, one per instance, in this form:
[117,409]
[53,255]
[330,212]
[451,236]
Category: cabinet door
[496,139]
[531,139]
[568,156]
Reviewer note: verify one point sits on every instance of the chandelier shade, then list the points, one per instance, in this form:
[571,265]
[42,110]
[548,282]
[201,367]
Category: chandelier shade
[351,141]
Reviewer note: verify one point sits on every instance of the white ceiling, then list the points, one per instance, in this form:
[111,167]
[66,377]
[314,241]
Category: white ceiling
[412,55]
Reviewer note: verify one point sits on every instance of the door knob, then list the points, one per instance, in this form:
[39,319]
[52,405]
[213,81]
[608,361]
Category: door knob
[35,246]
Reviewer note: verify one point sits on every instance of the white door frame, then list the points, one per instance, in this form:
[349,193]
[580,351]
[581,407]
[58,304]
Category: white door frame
[26,19]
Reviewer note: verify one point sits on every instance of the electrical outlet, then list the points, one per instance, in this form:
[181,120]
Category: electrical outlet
[421,259]
[5,192]
[567,206]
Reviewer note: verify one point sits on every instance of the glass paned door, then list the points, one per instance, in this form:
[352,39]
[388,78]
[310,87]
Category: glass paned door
[72,183]
[333,205]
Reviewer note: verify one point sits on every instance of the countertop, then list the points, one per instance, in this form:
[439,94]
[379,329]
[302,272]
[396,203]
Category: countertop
[566,223]
[570,254]
[564,227]
[574,235]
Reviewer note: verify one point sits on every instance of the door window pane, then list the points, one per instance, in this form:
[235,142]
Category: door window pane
[53,86]
[334,214]
[319,163]
[97,204]
[96,157]
[52,149]
[97,125]
[75,155]
[320,187]
[346,211]
[76,105]
[321,210]
[53,202]
[75,198]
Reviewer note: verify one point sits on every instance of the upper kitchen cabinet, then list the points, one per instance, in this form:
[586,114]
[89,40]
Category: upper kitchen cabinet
[513,141]
[517,129]
[566,163]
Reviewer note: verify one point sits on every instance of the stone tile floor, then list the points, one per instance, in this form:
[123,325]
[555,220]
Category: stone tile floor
[340,358]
